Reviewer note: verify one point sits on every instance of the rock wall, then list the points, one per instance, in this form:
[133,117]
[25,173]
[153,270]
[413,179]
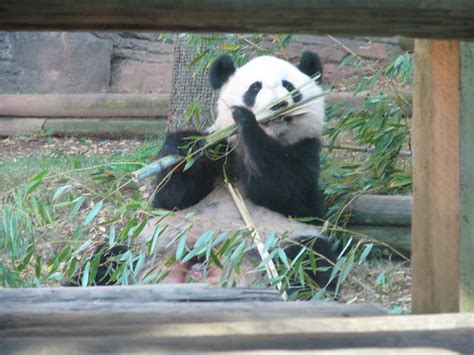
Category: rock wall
[73,62]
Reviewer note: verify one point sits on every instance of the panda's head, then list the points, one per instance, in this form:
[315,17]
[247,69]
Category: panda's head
[265,80]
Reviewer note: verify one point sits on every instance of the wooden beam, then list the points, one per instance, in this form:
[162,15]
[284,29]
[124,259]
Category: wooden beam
[443,163]
[89,127]
[413,18]
[84,105]
[138,294]
[190,327]
[199,318]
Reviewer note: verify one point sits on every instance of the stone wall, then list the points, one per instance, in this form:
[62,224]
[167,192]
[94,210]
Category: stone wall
[72,62]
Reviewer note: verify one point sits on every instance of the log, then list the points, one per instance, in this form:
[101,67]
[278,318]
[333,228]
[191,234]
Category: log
[412,18]
[119,105]
[347,100]
[91,127]
[381,210]
[84,105]
[399,238]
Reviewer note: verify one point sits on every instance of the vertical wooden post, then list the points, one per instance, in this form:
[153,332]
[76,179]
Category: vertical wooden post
[443,164]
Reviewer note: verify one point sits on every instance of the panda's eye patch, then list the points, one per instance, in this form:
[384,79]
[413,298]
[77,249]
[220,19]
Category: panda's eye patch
[251,93]
[291,88]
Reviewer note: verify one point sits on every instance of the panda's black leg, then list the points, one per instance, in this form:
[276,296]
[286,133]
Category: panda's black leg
[108,263]
[178,189]
[325,261]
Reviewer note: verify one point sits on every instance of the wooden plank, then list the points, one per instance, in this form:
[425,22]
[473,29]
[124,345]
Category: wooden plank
[139,294]
[443,166]
[107,128]
[120,105]
[413,18]
[466,233]
[104,127]
[13,126]
[85,105]
[191,329]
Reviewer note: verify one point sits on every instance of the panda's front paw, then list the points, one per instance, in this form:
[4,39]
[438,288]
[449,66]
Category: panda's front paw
[243,116]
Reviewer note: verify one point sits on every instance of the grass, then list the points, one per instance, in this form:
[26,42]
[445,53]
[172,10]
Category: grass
[51,235]
[41,216]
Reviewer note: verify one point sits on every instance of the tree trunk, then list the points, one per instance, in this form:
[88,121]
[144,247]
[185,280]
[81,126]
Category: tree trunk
[192,98]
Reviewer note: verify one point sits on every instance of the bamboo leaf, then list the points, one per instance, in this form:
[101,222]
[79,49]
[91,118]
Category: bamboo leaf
[92,213]
[181,247]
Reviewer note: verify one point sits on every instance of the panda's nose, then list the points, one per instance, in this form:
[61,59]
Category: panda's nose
[279,106]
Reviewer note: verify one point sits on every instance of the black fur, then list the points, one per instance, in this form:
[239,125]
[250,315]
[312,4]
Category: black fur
[185,188]
[251,94]
[311,65]
[283,178]
[296,94]
[108,263]
[325,260]
[221,70]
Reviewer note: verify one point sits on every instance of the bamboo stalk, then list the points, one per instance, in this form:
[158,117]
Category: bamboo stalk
[259,242]
[158,165]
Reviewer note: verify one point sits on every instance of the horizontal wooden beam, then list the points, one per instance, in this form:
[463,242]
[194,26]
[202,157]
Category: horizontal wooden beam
[183,318]
[84,105]
[121,105]
[131,127]
[138,294]
[413,18]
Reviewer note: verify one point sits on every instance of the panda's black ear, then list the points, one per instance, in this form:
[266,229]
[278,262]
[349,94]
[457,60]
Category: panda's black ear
[311,65]
[221,70]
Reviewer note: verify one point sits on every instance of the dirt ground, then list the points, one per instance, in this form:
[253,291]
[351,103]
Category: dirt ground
[15,147]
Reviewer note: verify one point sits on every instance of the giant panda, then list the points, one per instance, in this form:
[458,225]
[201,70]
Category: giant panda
[275,165]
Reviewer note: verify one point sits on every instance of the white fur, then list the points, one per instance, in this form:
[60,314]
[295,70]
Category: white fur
[271,72]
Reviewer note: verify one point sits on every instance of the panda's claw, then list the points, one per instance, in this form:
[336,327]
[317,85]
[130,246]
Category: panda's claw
[243,116]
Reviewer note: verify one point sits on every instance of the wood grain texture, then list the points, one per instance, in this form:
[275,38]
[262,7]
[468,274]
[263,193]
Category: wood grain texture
[397,237]
[139,294]
[198,330]
[378,210]
[413,18]
[466,247]
[84,105]
[443,160]
[90,127]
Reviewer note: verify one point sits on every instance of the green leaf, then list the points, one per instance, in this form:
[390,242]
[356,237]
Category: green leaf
[365,252]
[62,190]
[283,258]
[78,204]
[85,274]
[92,213]
[269,242]
[181,248]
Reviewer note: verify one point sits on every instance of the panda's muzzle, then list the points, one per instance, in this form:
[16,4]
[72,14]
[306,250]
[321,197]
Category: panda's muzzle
[279,106]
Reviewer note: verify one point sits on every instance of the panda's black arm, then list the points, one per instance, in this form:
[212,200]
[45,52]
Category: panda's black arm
[283,178]
[182,189]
